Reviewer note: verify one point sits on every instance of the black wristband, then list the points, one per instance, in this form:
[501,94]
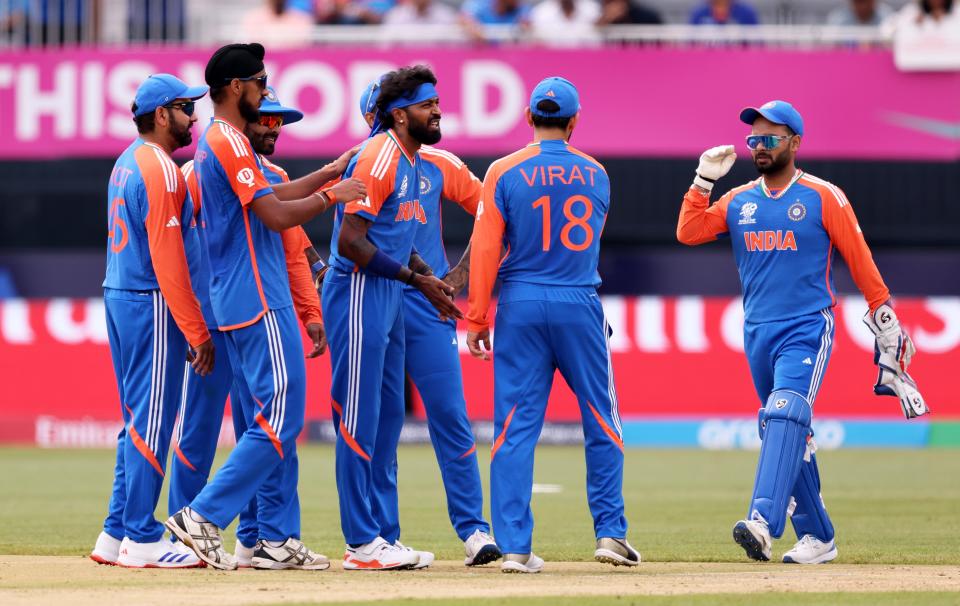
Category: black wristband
[706,179]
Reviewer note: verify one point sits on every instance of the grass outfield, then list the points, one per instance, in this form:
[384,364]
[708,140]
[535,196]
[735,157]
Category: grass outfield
[889,506]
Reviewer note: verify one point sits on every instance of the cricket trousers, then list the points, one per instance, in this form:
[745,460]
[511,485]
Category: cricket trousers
[432,361]
[364,319]
[148,351]
[541,330]
[789,358]
[197,432]
[267,357]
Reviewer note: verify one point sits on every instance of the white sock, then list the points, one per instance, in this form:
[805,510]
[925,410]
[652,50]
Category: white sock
[195,515]
[275,543]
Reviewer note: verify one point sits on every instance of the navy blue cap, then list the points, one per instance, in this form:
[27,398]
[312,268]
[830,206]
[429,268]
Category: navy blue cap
[369,96]
[559,90]
[160,89]
[778,112]
[271,105]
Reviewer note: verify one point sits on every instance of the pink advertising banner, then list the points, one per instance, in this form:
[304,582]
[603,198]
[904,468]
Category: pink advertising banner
[636,101]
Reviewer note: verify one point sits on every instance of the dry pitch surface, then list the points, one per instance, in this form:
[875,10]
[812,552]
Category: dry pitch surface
[78,581]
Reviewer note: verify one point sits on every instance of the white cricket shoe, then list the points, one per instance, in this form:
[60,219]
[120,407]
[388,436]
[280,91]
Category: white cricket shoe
[202,537]
[521,563]
[379,555]
[481,549]
[243,555]
[106,550]
[811,550]
[291,555]
[616,551]
[754,537]
[425,557]
[158,554]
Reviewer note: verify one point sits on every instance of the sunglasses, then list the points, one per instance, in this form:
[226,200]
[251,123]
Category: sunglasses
[187,107]
[768,141]
[271,120]
[261,81]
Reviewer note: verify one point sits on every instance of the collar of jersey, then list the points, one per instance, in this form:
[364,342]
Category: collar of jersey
[156,147]
[766,191]
[537,143]
[403,150]
[234,128]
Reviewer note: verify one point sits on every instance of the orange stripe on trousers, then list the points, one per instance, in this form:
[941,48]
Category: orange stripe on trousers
[142,446]
[183,457]
[606,428]
[503,434]
[351,442]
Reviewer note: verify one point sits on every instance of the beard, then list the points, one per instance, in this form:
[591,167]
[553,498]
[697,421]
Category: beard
[775,165]
[248,111]
[423,134]
[181,134]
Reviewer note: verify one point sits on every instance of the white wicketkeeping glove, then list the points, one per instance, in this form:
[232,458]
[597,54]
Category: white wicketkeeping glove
[714,163]
[891,338]
[893,350]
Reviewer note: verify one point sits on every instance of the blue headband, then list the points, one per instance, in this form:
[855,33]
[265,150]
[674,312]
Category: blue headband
[422,93]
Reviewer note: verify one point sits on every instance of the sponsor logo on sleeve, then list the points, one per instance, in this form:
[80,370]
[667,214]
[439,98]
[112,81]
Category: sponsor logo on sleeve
[245,176]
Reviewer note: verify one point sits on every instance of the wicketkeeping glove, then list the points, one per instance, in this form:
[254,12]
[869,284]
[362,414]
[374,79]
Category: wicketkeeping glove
[892,352]
[714,163]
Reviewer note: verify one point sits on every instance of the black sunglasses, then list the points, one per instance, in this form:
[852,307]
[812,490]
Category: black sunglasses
[260,80]
[187,107]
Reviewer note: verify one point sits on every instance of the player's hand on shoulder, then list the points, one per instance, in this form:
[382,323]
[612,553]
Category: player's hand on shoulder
[201,358]
[341,163]
[349,190]
[440,295]
[714,163]
[475,339]
[318,337]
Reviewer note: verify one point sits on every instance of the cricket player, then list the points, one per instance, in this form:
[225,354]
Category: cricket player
[198,424]
[432,359]
[784,228]
[547,203]
[362,300]
[242,217]
[147,285]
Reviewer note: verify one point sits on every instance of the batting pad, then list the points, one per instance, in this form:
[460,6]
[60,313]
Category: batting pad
[786,427]
[810,516]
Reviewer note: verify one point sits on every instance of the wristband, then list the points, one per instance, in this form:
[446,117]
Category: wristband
[383,265]
[319,265]
[331,196]
[704,182]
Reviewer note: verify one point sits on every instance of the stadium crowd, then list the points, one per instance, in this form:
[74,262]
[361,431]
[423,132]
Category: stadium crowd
[291,22]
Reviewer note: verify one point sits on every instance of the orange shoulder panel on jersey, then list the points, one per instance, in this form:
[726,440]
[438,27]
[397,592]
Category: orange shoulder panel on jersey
[841,224]
[574,150]
[193,186]
[459,184]
[233,151]
[276,168]
[377,168]
[166,190]
[700,221]
[487,240]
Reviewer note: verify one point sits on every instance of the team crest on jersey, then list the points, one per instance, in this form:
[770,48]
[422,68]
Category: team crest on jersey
[425,185]
[403,188]
[797,211]
[746,213]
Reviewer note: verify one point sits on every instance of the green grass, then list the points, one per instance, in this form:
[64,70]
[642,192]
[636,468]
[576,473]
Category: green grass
[889,506]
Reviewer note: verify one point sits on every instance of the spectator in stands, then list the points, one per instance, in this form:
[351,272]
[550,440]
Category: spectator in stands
[566,22]
[420,12]
[352,12]
[49,22]
[275,25]
[724,12]
[156,20]
[477,13]
[860,12]
[925,15]
[623,12]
